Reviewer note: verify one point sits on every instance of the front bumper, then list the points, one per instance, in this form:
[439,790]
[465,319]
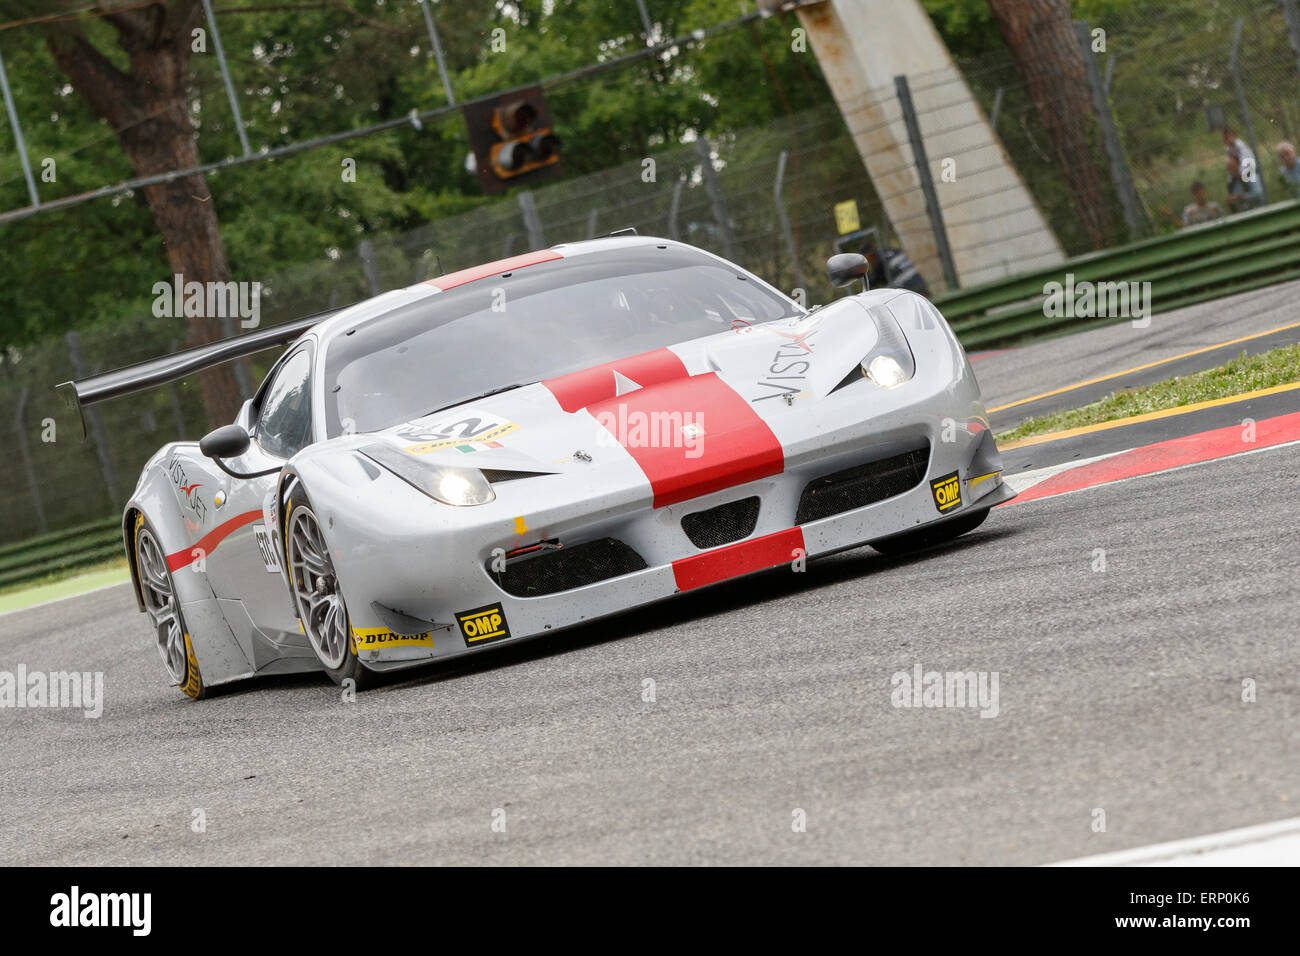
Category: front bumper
[436,565]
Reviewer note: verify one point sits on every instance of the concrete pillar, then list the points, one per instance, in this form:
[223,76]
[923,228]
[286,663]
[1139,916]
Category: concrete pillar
[994,226]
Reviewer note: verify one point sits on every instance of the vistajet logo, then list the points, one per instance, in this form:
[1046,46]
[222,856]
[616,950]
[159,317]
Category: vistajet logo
[103,909]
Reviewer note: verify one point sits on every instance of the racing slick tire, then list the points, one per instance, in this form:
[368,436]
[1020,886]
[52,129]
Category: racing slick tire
[158,592]
[931,534]
[317,595]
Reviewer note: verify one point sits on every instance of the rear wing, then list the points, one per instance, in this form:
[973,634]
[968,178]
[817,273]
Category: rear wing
[169,368]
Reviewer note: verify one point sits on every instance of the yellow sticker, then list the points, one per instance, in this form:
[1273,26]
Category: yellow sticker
[846,217]
[379,638]
[483,624]
[947,492]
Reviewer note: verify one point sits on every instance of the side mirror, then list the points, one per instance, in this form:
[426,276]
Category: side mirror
[843,268]
[228,441]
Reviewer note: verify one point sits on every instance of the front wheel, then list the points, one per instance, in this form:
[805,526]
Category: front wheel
[317,595]
[931,534]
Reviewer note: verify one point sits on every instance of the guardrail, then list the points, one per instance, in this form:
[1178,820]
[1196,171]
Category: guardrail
[1235,254]
[60,551]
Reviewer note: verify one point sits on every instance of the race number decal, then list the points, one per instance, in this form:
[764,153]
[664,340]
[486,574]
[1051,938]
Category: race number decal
[270,559]
[469,426]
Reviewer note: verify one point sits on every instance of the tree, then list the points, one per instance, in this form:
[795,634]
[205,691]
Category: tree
[147,105]
[1041,38]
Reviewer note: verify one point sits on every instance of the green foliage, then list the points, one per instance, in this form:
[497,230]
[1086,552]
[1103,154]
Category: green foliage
[309,72]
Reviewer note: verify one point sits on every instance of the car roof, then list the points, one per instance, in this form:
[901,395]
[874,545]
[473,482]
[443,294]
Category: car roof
[354,315]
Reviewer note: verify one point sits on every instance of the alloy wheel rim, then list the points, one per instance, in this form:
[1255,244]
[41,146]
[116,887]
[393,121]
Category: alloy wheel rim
[316,590]
[161,605]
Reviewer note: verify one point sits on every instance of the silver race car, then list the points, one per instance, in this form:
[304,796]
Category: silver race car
[541,442]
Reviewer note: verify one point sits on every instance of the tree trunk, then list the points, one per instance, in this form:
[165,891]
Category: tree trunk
[149,109]
[1040,35]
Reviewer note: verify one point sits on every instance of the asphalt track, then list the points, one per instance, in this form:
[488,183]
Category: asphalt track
[1119,689]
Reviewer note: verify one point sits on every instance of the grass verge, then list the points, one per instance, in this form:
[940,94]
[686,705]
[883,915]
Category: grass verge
[1242,374]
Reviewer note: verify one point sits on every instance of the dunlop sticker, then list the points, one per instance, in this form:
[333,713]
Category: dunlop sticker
[947,492]
[483,625]
[380,638]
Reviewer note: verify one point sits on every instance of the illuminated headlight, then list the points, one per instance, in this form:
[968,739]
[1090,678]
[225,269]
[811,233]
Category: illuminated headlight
[461,487]
[890,363]
[886,372]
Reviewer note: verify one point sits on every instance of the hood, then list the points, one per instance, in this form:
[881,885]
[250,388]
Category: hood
[693,415]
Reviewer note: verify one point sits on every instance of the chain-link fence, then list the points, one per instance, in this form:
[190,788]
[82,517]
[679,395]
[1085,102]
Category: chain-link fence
[764,197]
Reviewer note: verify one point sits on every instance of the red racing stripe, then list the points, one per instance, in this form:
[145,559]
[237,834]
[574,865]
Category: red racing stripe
[453,279]
[580,389]
[208,543]
[1188,450]
[734,445]
[744,557]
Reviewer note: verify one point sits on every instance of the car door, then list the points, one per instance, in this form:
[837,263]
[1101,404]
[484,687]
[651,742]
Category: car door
[249,570]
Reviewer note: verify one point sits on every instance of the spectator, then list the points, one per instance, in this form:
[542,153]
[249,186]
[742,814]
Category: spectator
[1244,189]
[1200,209]
[892,267]
[1286,157]
[1236,146]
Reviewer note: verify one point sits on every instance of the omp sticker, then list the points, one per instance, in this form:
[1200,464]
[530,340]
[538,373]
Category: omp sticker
[468,428]
[193,685]
[270,558]
[947,492]
[483,624]
[379,638]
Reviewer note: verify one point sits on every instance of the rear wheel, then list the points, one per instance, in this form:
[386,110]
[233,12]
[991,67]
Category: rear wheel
[158,590]
[317,595]
[931,534]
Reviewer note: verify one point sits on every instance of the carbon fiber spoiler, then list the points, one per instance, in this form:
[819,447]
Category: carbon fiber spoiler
[169,368]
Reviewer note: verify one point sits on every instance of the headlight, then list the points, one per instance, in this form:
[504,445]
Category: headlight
[452,486]
[890,363]
[886,372]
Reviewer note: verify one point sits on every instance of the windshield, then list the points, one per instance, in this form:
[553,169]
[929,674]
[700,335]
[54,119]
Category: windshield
[538,322]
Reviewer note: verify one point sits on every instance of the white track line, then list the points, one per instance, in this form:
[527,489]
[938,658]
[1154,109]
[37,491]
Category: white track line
[1027,479]
[1269,844]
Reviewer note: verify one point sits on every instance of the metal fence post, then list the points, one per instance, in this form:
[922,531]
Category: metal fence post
[1291,13]
[20,430]
[181,431]
[225,75]
[437,52]
[922,163]
[1234,67]
[19,144]
[1119,170]
[532,222]
[93,423]
[369,268]
[713,187]
[674,231]
[784,220]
